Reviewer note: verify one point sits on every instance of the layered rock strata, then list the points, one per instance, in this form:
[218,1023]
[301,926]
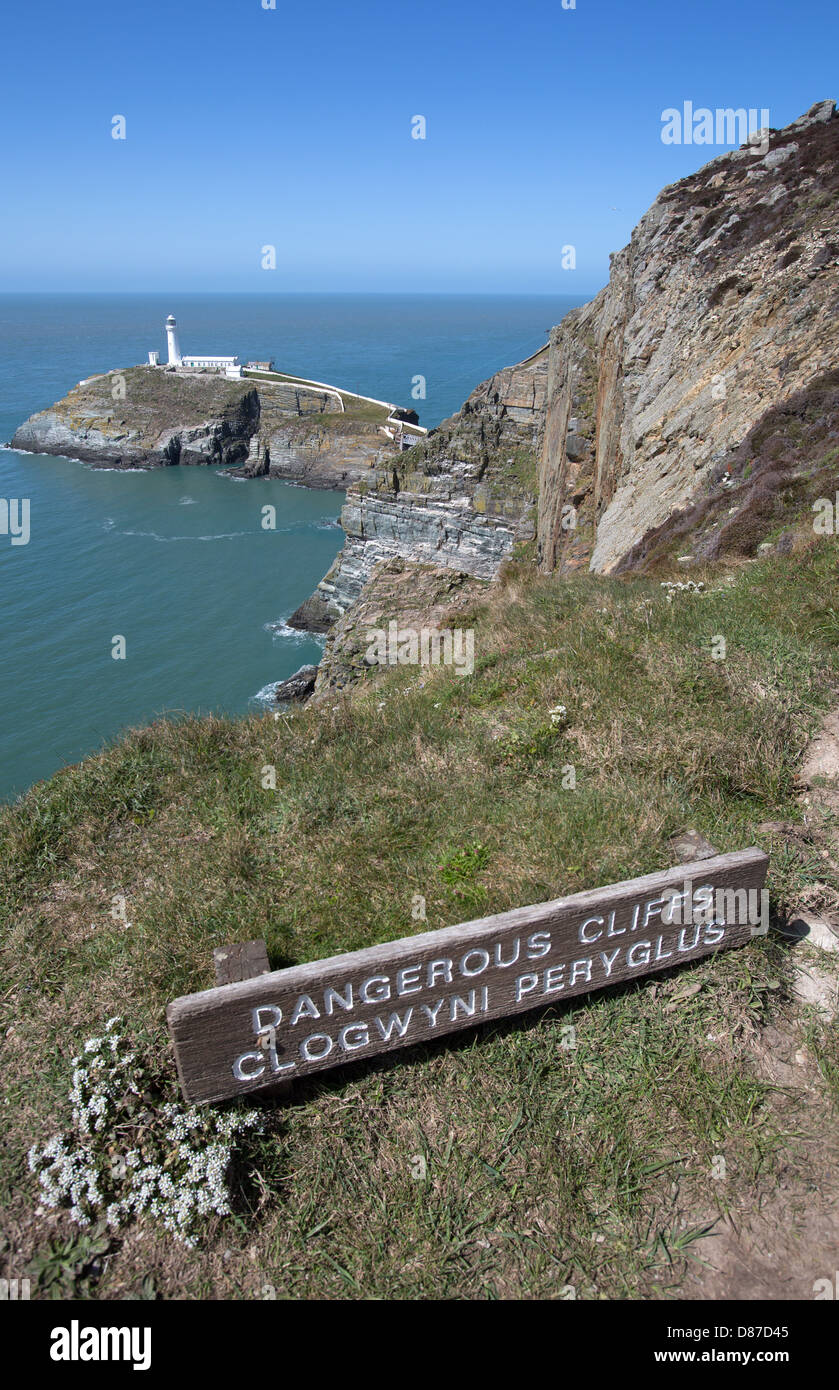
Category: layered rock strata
[723,307]
[459,500]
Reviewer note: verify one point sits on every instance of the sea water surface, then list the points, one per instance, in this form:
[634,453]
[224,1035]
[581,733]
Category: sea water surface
[175,560]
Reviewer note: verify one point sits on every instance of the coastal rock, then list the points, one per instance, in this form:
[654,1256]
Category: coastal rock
[297,687]
[332,453]
[719,313]
[145,417]
[411,595]
[459,499]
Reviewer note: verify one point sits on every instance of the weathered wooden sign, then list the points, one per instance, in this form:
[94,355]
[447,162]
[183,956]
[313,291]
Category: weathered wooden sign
[288,1024]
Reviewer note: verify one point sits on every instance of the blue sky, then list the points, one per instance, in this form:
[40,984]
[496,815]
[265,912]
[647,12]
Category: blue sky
[292,127]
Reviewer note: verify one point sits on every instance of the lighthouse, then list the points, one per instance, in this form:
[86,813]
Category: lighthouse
[172,342]
[194,362]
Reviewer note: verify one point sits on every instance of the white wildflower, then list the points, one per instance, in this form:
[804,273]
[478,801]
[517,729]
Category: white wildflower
[675,586]
[177,1175]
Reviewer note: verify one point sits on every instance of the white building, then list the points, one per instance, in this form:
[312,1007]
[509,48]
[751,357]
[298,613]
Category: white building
[228,365]
[198,362]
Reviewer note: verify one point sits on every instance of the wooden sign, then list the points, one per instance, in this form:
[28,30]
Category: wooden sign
[289,1024]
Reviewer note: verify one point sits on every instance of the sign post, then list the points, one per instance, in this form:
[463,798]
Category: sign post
[242,1037]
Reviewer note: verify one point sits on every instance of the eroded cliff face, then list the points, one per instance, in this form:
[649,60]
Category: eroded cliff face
[145,418]
[723,307]
[413,595]
[459,500]
[304,437]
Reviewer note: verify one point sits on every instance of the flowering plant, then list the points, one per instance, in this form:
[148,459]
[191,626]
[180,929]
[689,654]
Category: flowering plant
[127,1155]
[677,586]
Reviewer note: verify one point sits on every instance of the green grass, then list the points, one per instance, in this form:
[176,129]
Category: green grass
[546,1165]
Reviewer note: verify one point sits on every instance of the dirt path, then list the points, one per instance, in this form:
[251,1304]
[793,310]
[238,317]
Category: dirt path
[779,1244]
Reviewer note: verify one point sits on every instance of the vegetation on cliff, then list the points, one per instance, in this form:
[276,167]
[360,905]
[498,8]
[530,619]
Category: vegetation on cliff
[549,1161]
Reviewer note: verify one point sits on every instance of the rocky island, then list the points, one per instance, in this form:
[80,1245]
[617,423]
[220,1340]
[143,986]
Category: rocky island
[151,417]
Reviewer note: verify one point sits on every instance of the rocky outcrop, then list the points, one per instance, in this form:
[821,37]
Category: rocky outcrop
[412,595]
[722,308]
[297,688]
[459,499]
[145,417]
[330,452]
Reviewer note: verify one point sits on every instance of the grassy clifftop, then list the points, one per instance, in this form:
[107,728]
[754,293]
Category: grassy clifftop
[154,401]
[546,1167]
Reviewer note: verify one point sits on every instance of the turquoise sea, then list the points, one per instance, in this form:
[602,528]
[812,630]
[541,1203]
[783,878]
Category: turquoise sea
[175,560]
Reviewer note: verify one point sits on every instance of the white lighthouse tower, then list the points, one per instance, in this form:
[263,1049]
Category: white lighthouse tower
[172,342]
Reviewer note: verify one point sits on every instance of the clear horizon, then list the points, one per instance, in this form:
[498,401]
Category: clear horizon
[254,128]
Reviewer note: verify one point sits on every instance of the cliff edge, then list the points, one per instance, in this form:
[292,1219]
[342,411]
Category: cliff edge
[692,405]
[459,500]
[719,316]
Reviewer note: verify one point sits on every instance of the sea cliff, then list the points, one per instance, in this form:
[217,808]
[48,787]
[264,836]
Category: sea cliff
[718,320]
[691,407]
[459,500]
[147,417]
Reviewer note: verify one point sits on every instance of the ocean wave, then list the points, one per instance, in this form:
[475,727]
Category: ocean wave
[267,695]
[153,536]
[280,628]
